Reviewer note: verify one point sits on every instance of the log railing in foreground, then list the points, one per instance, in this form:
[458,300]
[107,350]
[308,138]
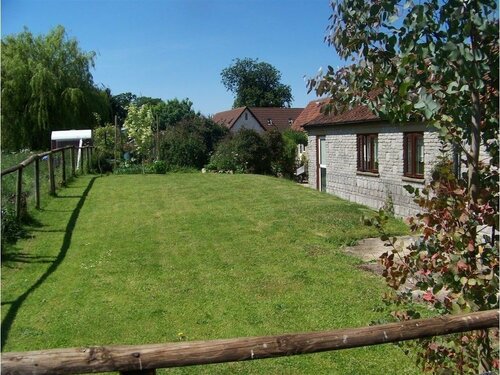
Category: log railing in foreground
[144,359]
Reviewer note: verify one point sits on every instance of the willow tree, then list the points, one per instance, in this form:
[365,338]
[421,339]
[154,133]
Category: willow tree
[435,62]
[46,85]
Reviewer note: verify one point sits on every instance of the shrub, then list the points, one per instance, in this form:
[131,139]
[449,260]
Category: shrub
[243,152]
[189,143]
[12,229]
[282,151]
[100,162]
[158,167]
[129,168]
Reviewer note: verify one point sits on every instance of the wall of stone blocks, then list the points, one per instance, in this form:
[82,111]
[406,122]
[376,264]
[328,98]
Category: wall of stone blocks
[343,179]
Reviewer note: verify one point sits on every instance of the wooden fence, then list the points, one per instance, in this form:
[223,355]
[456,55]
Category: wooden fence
[145,359]
[52,156]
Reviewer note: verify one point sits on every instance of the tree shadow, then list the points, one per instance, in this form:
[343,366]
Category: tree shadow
[9,258]
[17,303]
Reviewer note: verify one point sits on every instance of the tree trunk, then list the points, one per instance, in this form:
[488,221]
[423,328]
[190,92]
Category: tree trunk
[475,143]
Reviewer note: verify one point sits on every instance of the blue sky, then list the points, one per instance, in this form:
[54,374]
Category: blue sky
[178,48]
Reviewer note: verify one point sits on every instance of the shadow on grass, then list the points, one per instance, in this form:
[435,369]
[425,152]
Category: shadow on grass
[16,304]
[19,257]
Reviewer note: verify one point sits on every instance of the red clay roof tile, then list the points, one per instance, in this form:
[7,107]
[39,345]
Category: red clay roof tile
[312,110]
[228,118]
[270,118]
[273,118]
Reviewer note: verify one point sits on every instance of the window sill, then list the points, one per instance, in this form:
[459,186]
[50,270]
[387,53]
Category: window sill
[369,174]
[414,180]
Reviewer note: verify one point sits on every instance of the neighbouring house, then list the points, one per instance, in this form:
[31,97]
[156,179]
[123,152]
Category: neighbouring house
[358,157]
[260,119]
[310,112]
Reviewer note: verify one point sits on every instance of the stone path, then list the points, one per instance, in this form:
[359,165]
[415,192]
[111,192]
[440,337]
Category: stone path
[370,249]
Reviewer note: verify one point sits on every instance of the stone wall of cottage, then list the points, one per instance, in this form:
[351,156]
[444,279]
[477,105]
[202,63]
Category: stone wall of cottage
[343,179]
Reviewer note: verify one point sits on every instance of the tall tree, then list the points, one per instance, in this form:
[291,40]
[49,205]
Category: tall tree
[256,84]
[434,62]
[139,124]
[120,103]
[46,85]
[173,111]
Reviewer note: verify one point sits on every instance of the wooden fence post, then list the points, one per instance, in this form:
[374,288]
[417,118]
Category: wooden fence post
[37,183]
[63,162]
[88,159]
[19,192]
[73,165]
[52,182]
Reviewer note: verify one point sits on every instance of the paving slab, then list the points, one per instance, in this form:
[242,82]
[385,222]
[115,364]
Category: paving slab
[370,249]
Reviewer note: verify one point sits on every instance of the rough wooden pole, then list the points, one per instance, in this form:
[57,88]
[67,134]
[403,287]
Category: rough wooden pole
[157,137]
[37,183]
[88,159]
[73,161]
[153,356]
[116,142]
[52,180]
[63,162]
[19,192]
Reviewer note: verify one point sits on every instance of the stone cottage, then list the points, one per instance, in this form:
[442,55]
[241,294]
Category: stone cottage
[358,157]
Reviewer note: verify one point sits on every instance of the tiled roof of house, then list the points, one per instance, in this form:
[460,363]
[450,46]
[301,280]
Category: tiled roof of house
[270,118]
[355,115]
[273,118]
[312,110]
[228,118]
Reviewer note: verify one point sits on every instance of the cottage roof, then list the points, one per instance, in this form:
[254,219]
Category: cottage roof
[273,118]
[228,118]
[270,118]
[312,110]
[357,114]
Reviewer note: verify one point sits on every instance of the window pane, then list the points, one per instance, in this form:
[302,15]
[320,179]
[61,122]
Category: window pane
[322,153]
[375,152]
[419,150]
[323,179]
[368,151]
[409,156]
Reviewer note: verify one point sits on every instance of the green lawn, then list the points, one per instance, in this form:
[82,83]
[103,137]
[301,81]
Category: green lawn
[138,259]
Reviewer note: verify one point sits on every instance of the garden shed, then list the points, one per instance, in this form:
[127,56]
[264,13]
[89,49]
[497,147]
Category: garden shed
[77,138]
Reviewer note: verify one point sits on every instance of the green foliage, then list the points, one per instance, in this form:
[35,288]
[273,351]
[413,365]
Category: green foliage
[129,168]
[282,152]
[248,152]
[101,162]
[158,167]
[173,111]
[299,138]
[46,85]
[256,84]
[453,265]
[12,229]
[243,152]
[434,62]
[189,143]
[119,105]
[139,123]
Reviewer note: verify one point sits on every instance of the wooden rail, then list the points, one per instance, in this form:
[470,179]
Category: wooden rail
[52,183]
[144,359]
